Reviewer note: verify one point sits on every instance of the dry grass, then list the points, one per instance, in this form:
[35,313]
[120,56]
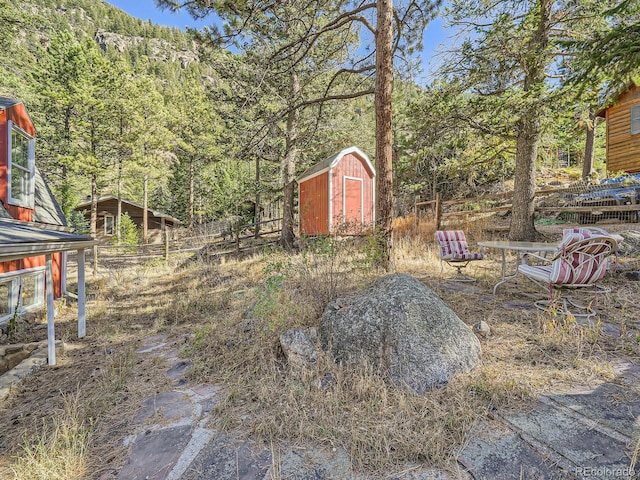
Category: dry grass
[61,451]
[233,313]
[378,424]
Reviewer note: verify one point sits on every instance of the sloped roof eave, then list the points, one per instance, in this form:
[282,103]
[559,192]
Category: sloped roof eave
[330,162]
[34,249]
[103,198]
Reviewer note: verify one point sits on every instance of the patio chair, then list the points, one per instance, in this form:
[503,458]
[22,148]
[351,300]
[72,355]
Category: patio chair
[455,251]
[591,230]
[580,261]
[597,231]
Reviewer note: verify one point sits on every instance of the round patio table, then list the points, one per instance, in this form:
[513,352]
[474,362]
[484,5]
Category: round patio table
[520,248]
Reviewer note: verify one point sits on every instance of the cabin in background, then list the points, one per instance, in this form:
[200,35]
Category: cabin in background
[337,195]
[623,132]
[157,222]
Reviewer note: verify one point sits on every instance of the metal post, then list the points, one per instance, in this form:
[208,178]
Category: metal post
[51,334]
[166,244]
[82,330]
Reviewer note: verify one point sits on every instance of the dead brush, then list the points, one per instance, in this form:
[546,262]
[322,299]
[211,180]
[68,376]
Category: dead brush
[355,408]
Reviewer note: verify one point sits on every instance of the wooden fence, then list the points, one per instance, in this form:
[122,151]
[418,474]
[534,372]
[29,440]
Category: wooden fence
[587,202]
[239,238]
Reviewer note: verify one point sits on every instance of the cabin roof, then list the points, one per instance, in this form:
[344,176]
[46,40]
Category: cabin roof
[6,102]
[20,240]
[3,212]
[612,99]
[332,161]
[87,203]
[46,208]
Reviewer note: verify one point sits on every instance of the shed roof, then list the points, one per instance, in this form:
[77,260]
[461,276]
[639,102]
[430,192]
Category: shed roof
[332,161]
[20,240]
[103,198]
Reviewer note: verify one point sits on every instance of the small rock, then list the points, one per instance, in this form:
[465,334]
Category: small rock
[634,276]
[325,383]
[313,334]
[297,347]
[482,328]
[11,349]
[246,325]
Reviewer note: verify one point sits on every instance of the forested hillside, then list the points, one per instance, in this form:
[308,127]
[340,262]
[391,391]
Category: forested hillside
[129,108]
[150,113]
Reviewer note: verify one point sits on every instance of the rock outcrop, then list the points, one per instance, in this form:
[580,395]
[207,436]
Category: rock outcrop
[405,329]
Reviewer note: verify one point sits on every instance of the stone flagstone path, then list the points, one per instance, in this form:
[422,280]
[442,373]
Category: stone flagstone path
[582,433]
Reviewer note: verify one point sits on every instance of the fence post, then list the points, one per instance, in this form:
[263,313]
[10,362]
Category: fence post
[237,229]
[438,212]
[166,245]
[415,211]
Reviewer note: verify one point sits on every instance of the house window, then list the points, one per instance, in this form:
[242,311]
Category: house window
[635,119]
[108,225]
[6,294]
[32,291]
[22,290]
[21,167]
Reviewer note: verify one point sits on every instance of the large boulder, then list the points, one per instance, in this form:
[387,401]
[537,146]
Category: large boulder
[403,327]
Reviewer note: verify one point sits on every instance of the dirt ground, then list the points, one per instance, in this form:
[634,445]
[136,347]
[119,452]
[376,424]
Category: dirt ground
[103,380]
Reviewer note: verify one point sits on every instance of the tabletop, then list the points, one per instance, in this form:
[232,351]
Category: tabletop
[519,246]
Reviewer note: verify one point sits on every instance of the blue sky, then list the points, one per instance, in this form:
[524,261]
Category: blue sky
[147,10]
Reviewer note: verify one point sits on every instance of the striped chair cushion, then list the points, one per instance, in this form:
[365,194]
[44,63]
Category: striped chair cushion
[453,246]
[580,260]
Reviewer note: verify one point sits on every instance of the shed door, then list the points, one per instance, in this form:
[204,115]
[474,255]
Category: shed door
[353,201]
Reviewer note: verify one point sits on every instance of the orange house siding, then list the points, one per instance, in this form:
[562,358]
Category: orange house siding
[18,115]
[40,261]
[314,206]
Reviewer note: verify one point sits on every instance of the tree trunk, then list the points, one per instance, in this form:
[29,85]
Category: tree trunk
[589,146]
[287,235]
[522,227]
[191,192]
[119,211]
[145,213]
[94,218]
[256,210]
[384,136]
[528,133]
[93,229]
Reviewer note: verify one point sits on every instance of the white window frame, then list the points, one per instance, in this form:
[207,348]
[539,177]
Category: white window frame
[635,119]
[113,224]
[15,279]
[12,127]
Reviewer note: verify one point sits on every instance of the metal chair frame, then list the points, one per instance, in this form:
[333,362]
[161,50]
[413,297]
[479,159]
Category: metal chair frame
[454,250]
[576,253]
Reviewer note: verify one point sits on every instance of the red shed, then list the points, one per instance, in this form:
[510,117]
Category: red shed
[337,195]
